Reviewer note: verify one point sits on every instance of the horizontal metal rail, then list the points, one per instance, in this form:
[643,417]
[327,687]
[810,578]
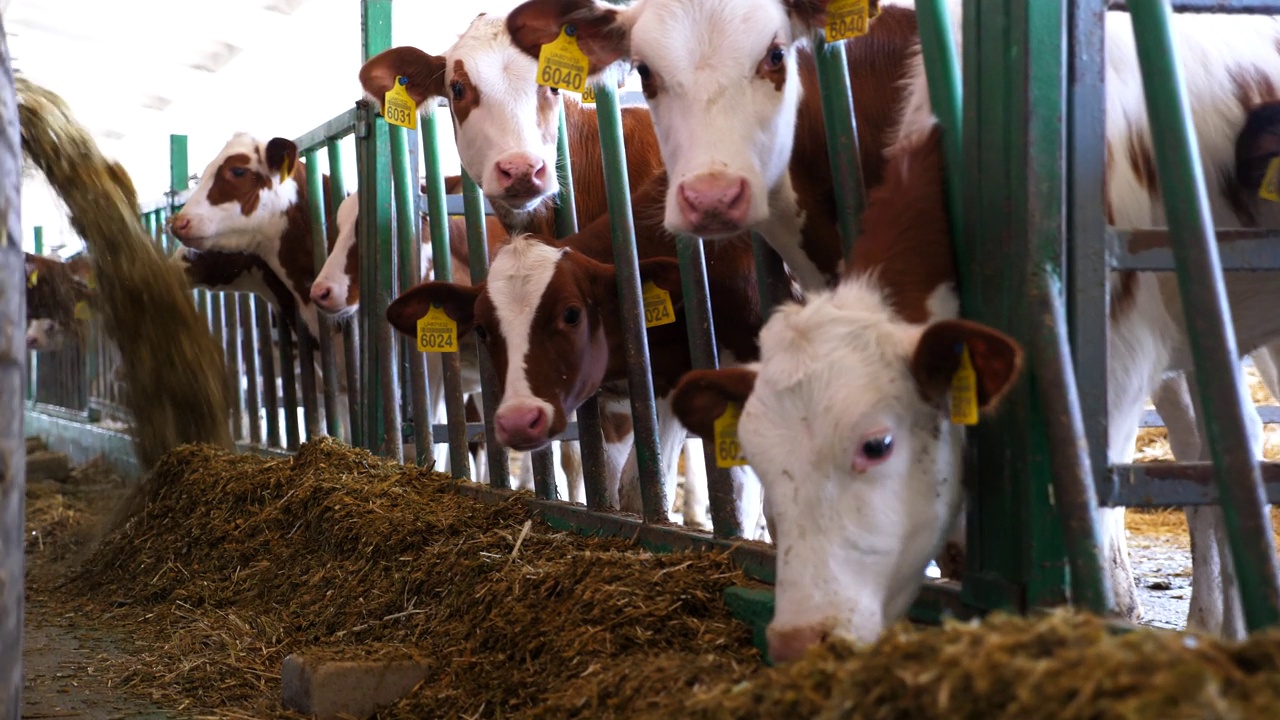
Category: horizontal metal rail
[1270,415]
[1148,250]
[1173,484]
[332,129]
[1243,7]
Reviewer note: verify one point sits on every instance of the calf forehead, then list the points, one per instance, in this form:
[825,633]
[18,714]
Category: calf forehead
[491,61]
[708,39]
[518,281]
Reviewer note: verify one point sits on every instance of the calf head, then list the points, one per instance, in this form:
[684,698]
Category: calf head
[549,319]
[722,85]
[845,420]
[56,293]
[242,198]
[336,290]
[505,124]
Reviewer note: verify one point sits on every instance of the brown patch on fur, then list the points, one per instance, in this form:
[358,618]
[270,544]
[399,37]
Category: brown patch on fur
[214,269]
[616,426]
[470,96]
[1107,208]
[1123,293]
[703,395]
[906,235]
[1143,162]
[996,357]
[423,73]
[877,63]
[244,190]
[1240,199]
[776,74]
[600,36]
[1253,87]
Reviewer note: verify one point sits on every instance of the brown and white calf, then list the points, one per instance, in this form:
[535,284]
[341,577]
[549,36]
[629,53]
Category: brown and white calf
[55,291]
[549,317]
[1236,66]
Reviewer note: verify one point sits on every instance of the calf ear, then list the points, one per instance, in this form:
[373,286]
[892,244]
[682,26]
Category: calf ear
[603,32]
[282,158]
[1257,145]
[996,358]
[701,396]
[665,273]
[458,301]
[423,73]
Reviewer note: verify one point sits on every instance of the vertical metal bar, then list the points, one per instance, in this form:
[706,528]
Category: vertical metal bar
[179,171]
[411,275]
[231,320]
[39,239]
[635,341]
[33,362]
[288,384]
[772,282]
[408,241]
[478,247]
[1207,314]
[439,218]
[938,49]
[320,252]
[842,142]
[725,513]
[307,371]
[355,396]
[337,186]
[267,363]
[590,436]
[249,358]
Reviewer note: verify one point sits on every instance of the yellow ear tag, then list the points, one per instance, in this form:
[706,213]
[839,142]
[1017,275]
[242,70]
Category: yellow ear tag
[437,332]
[589,95]
[964,392]
[848,18]
[33,278]
[561,64]
[286,169]
[1270,188]
[728,449]
[657,306]
[398,108]
[875,9]
[91,281]
[82,311]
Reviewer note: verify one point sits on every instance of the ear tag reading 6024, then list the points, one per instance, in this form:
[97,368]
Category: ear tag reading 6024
[398,108]
[561,64]
[848,18]
[1270,188]
[657,306]
[964,391]
[437,332]
[728,449]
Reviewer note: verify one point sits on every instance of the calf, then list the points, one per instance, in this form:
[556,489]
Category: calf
[58,293]
[556,303]
[1236,68]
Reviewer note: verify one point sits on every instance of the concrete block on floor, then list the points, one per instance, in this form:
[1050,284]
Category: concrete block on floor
[47,465]
[327,687]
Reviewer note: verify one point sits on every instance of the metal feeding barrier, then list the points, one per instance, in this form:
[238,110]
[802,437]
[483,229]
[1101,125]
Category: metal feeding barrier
[1024,147]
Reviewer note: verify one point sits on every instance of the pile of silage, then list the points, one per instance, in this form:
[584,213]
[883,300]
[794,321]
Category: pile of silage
[240,560]
[1063,666]
[173,368]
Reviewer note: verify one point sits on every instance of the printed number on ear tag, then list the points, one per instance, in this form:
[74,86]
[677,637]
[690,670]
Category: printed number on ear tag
[589,95]
[1270,188]
[437,332]
[398,108]
[657,306]
[562,64]
[964,392]
[728,449]
[848,18]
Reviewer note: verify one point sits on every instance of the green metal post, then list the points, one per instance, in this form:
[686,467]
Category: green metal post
[635,341]
[179,170]
[39,240]
[320,252]
[350,332]
[1207,315]
[842,137]
[938,49]
[478,251]
[452,362]
[377,256]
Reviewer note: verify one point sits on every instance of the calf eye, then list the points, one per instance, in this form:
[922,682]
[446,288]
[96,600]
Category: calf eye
[459,90]
[878,448]
[775,57]
[481,334]
[643,71]
[571,315]
[238,172]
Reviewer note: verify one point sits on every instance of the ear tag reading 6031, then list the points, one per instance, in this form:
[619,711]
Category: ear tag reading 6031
[848,18]
[437,332]
[1270,187]
[657,306]
[728,449]
[398,108]
[561,64]
[964,391]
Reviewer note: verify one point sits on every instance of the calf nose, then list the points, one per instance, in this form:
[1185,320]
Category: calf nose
[787,644]
[179,225]
[321,292]
[714,203]
[521,176]
[32,342]
[521,426]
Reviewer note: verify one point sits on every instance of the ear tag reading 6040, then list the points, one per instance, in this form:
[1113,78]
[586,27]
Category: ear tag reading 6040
[657,306]
[964,392]
[437,332]
[398,108]
[561,64]
[847,18]
[728,449]
[1270,188]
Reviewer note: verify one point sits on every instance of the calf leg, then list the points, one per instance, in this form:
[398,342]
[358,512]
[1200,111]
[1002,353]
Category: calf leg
[695,487]
[671,436]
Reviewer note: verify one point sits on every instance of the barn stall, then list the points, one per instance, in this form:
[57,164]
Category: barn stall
[238,584]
